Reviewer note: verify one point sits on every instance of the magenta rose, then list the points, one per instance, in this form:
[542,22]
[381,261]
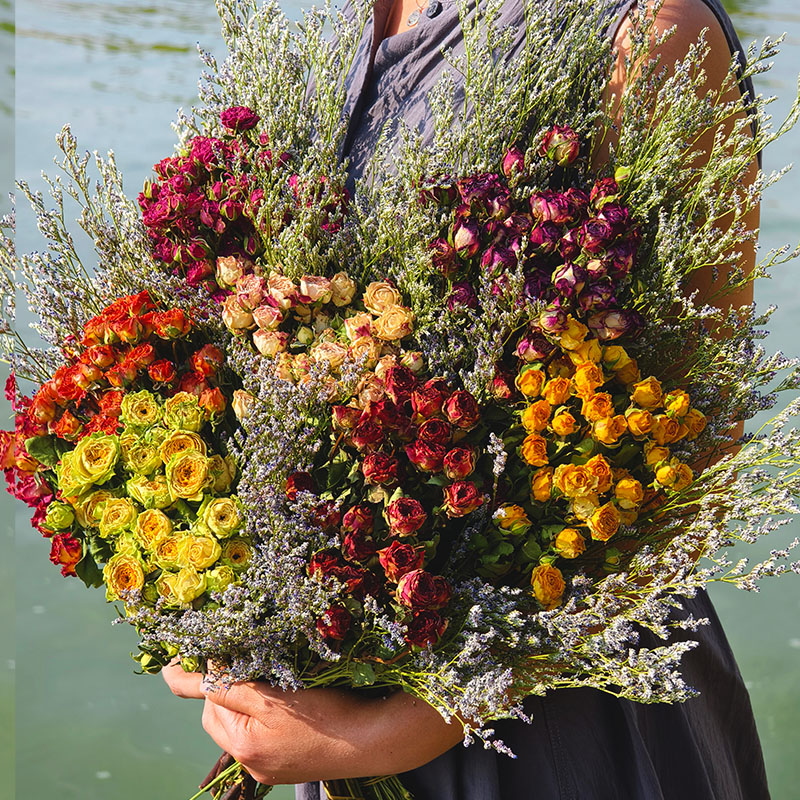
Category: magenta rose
[459,463]
[425,628]
[461,498]
[561,144]
[426,456]
[405,516]
[381,469]
[334,623]
[461,409]
[444,257]
[513,162]
[399,558]
[419,590]
[239,118]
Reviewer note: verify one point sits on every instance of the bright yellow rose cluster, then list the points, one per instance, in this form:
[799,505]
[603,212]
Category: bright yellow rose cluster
[156,504]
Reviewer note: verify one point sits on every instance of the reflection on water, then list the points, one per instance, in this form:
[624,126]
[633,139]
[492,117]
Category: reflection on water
[88,729]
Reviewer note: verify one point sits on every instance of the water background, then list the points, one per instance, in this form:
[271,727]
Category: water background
[86,727]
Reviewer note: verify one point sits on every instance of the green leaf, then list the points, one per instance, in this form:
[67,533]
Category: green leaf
[363,675]
[88,571]
[43,449]
[531,549]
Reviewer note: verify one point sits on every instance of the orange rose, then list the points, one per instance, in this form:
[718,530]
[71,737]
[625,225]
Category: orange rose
[534,450]
[564,423]
[647,393]
[696,422]
[600,470]
[640,422]
[666,430]
[588,376]
[609,429]
[548,585]
[573,480]
[597,406]
[570,543]
[535,417]
[604,523]
[557,390]
[530,382]
[542,484]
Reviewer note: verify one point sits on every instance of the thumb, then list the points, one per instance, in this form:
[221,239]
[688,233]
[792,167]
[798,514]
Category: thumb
[246,698]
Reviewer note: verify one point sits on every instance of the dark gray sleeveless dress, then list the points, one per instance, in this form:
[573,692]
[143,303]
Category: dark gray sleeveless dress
[583,744]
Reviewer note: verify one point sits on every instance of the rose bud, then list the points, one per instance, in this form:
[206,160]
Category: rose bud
[569,245]
[171,324]
[420,591]
[400,383]
[604,191]
[299,482]
[367,435]
[358,518]
[550,206]
[553,320]
[127,330]
[68,427]
[611,324]
[597,297]
[207,360]
[271,343]
[425,628]
[502,386]
[466,237]
[400,558]
[461,409]
[513,162]
[405,516]
[461,498]
[66,551]
[239,118]
[343,288]
[122,375]
[230,269]
[213,402]
[561,144]
[380,469]
[425,456]
[101,356]
[444,258]
[617,216]
[544,238]
[459,463]
[427,401]
[595,235]
[193,383]
[334,623]
[462,296]
[435,431]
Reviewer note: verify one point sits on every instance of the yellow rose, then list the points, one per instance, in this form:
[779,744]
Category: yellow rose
[597,406]
[236,553]
[187,475]
[342,289]
[542,484]
[535,417]
[166,586]
[177,442]
[89,508]
[557,390]
[188,585]
[530,382]
[139,456]
[150,492]
[629,374]
[569,543]
[600,470]
[199,552]
[685,477]
[616,357]
[677,402]
[119,514]
[222,516]
[640,422]
[166,551]
[95,458]
[588,377]
[667,430]
[332,353]
[629,493]
[609,429]
[548,585]
[564,424]
[604,523]
[282,290]
[357,326]
[380,296]
[696,422]
[222,471]
[219,578]
[123,573]
[584,505]
[140,409]
[647,393]
[394,324]
[654,454]
[573,336]
[182,411]
[573,480]
[151,525]
[512,518]
[534,450]
[628,517]
[365,351]
[590,350]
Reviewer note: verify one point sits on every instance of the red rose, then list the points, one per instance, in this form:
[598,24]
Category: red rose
[399,558]
[334,623]
[380,468]
[171,324]
[128,330]
[67,551]
[435,431]
[143,355]
[68,427]
[359,582]
[400,382]
[327,515]
[426,457]
[162,371]
[405,516]
[193,383]
[111,403]
[100,355]
[367,435]
[462,410]
[207,360]
[346,417]
[122,375]
[213,401]
[324,564]
[389,415]
[502,385]
[298,482]
[8,447]
[427,401]
[459,463]
[419,590]
[425,628]
[359,518]
[461,498]
[357,546]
